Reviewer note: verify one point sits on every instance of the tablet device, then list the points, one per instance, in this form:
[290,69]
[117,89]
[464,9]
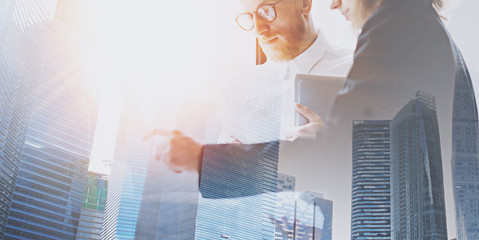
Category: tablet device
[316,92]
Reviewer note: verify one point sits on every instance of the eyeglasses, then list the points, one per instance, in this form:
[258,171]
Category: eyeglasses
[266,12]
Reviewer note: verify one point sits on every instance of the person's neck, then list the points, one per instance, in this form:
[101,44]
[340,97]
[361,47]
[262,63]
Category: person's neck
[308,41]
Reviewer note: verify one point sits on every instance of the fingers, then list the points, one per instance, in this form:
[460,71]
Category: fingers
[290,134]
[180,153]
[308,113]
[291,138]
[308,131]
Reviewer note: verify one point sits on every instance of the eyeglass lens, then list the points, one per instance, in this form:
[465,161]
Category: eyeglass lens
[265,12]
[245,21]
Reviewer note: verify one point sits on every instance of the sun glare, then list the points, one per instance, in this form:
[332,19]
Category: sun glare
[157,54]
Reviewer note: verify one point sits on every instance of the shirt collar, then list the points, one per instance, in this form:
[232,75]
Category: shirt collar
[304,63]
[311,56]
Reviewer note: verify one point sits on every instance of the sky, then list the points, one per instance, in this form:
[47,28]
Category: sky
[127,40]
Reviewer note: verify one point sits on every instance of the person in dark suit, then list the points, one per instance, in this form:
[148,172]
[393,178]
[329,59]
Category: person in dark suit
[403,47]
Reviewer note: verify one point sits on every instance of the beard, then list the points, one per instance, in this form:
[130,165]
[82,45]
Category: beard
[279,54]
[287,47]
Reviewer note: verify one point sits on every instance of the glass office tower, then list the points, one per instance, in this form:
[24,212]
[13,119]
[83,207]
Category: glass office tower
[241,204]
[93,207]
[371,186]
[169,201]
[284,214]
[51,179]
[22,49]
[465,158]
[301,215]
[418,206]
[168,204]
[127,179]
[147,200]
[47,122]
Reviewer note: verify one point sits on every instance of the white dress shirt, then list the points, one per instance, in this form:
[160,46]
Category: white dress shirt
[319,59]
[261,100]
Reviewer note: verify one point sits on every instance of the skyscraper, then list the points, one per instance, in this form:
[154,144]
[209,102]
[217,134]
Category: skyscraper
[51,179]
[465,157]
[169,201]
[147,200]
[301,215]
[320,211]
[285,207]
[371,187]
[48,122]
[93,207]
[246,199]
[168,204]
[418,206]
[127,179]
[22,49]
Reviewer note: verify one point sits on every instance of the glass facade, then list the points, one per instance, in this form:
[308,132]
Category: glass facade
[465,158]
[145,199]
[51,179]
[371,186]
[93,207]
[47,121]
[21,53]
[168,205]
[301,216]
[418,205]
[89,227]
[284,214]
[241,204]
[127,179]
[246,216]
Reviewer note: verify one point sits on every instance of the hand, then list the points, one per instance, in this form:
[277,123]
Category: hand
[182,152]
[309,130]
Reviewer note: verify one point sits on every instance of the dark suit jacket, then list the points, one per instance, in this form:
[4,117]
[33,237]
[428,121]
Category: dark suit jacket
[403,48]
[238,170]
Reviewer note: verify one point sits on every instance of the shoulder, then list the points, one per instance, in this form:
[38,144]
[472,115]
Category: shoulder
[339,53]
[399,31]
[336,61]
[403,23]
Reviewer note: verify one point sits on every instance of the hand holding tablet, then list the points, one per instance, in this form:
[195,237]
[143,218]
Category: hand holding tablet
[314,96]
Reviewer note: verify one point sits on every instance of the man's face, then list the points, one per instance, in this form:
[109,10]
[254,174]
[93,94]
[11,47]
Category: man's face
[283,38]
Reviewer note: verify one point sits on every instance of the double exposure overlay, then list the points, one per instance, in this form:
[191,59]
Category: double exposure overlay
[243,119]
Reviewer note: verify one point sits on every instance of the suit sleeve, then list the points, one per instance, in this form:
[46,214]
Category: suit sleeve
[238,170]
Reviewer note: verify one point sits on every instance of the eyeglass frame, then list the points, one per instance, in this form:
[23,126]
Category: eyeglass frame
[252,14]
